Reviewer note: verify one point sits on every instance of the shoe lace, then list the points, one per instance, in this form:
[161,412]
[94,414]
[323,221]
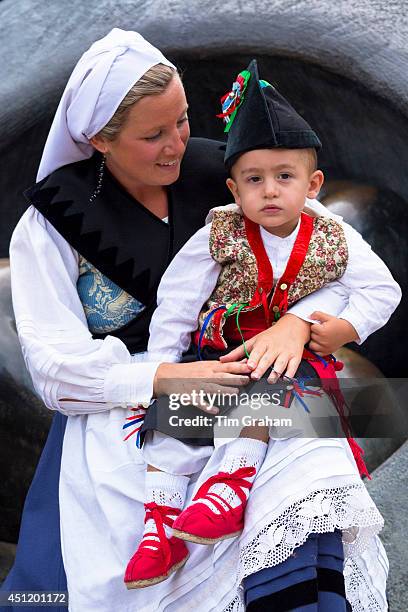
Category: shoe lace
[235,480]
[161,516]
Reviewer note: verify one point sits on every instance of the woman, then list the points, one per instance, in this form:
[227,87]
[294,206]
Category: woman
[86,261]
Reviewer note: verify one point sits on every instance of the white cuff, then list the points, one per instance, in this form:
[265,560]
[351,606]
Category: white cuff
[130,383]
[164,357]
[303,311]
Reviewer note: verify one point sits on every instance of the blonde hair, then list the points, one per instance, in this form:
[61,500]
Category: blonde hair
[311,159]
[154,81]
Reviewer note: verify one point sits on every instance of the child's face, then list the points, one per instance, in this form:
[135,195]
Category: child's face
[271,185]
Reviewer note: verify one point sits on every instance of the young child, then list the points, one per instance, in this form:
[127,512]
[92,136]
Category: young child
[236,276]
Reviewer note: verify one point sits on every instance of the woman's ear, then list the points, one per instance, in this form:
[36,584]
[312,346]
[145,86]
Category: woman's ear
[232,186]
[315,183]
[99,144]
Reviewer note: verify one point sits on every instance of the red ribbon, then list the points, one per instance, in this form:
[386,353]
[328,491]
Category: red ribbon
[161,516]
[235,480]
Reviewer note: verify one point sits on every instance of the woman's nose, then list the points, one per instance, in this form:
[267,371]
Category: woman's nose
[175,144]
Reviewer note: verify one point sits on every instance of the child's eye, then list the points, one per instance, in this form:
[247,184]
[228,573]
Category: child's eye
[284,176]
[254,179]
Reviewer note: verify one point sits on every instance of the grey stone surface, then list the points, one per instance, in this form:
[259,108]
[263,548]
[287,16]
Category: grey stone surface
[389,490]
[364,40]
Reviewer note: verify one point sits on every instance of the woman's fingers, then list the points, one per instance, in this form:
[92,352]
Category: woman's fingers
[206,396]
[237,367]
[233,379]
[210,397]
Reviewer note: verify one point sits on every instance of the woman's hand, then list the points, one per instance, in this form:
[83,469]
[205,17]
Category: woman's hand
[330,334]
[200,378]
[280,346]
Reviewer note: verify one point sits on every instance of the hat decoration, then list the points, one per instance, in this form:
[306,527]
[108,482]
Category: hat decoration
[257,116]
[233,99]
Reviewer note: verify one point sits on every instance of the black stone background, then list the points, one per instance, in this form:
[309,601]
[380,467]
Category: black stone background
[364,141]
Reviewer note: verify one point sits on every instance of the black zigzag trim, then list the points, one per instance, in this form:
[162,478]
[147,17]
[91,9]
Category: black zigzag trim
[123,240]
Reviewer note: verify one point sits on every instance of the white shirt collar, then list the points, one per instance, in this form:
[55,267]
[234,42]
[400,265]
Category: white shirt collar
[276,242]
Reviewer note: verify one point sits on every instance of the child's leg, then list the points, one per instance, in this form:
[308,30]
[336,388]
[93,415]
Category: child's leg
[217,509]
[159,554]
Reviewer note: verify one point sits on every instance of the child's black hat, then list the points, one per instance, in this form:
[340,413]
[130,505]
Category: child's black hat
[257,116]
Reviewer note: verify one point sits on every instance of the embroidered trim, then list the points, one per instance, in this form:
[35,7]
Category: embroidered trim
[294,265]
[319,512]
[265,272]
[236,605]
[234,244]
[359,594]
[107,307]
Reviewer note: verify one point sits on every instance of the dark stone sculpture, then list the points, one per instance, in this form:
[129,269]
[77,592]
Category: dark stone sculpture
[343,66]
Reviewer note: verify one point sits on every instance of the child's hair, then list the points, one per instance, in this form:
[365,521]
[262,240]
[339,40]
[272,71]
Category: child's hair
[311,159]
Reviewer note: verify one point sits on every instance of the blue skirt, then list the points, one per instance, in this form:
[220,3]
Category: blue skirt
[310,580]
[38,565]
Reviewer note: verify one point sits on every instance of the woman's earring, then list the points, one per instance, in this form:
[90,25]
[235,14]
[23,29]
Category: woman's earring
[100,179]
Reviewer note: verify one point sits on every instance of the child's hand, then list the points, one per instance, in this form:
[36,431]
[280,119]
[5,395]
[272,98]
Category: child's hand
[330,334]
[280,346]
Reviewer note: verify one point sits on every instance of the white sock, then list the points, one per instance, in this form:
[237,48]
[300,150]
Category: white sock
[242,452]
[165,490]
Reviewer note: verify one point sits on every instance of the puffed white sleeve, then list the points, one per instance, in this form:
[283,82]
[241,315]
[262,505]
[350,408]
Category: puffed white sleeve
[184,288]
[373,294]
[366,295]
[71,371]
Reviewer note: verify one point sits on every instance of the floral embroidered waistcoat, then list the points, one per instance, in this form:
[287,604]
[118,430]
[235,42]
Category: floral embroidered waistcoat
[245,284]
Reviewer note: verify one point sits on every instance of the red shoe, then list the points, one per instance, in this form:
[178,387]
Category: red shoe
[150,566]
[199,524]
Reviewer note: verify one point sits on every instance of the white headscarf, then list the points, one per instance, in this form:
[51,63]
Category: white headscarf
[100,80]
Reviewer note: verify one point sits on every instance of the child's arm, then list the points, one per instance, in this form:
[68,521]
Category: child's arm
[370,297]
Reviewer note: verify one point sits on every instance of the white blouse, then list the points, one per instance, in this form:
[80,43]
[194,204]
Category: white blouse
[76,374]
[72,372]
